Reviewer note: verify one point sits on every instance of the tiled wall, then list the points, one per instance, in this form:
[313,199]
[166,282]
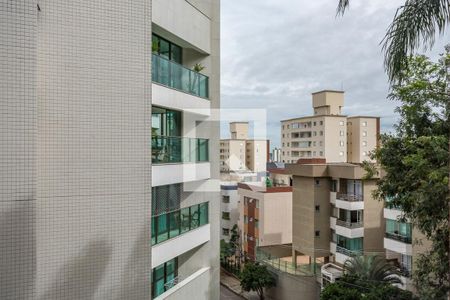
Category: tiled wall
[17,148]
[75,149]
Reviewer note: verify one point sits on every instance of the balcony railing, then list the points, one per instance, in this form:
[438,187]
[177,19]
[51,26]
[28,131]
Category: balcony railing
[172,224]
[398,237]
[349,197]
[169,149]
[348,252]
[176,76]
[349,224]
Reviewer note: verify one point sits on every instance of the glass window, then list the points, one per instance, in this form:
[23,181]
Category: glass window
[164,277]
[161,228]
[204,214]
[174,224]
[364,133]
[195,217]
[185,220]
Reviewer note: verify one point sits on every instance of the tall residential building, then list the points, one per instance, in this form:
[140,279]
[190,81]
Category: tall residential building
[106,136]
[328,134]
[241,154]
[276,155]
[334,214]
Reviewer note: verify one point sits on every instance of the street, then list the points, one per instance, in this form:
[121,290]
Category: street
[226,294]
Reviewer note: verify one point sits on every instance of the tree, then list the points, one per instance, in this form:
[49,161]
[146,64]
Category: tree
[415,24]
[415,161]
[256,277]
[354,288]
[372,268]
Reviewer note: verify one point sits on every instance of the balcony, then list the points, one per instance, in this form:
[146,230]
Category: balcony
[349,225]
[176,76]
[347,252]
[169,150]
[349,197]
[172,224]
[398,237]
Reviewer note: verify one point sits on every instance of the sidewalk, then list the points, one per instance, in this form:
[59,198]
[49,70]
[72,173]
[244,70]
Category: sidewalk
[232,283]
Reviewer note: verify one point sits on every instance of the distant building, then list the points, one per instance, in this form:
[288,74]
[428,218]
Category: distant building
[328,134]
[239,153]
[276,155]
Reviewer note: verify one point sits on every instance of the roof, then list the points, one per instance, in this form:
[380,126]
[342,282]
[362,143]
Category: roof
[366,117]
[314,116]
[328,91]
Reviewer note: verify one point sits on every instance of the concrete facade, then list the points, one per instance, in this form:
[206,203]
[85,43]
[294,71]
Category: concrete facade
[328,134]
[76,188]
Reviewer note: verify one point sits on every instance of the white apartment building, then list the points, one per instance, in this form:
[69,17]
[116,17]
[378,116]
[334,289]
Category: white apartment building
[328,134]
[107,135]
[241,154]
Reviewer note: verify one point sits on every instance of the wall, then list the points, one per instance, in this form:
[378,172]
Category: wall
[18,127]
[276,221]
[374,222]
[293,287]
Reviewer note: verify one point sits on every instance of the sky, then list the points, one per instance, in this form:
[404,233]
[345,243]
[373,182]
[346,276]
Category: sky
[275,53]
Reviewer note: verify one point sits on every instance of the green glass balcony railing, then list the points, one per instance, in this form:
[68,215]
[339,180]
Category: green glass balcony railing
[172,224]
[176,76]
[170,149]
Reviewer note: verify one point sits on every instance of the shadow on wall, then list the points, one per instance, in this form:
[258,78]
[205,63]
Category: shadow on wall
[17,250]
[82,275]
[136,277]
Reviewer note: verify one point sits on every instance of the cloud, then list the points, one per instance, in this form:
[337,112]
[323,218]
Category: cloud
[275,53]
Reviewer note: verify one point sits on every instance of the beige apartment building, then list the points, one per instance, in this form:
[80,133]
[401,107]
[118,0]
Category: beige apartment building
[334,214]
[265,216]
[241,154]
[328,134]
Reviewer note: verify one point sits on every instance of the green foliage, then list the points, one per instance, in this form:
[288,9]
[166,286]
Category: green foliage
[353,288]
[340,291]
[268,182]
[198,67]
[225,250]
[372,268]
[256,277]
[415,24]
[415,159]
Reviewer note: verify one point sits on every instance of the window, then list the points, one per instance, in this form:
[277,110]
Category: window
[225,199]
[364,153]
[364,143]
[321,122]
[320,143]
[364,124]
[321,133]
[341,143]
[321,153]
[166,49]
[341,133]
[341,123]
[287,126]
[287,145]
[317,208]
[314,133]
[341,153]
[225,231]
[364,133]
[165,198]
[283,135]
[314,144]
[282,144]
[334,185]
[164,277]
[282,127]
[317,182]
[166,122]
[314,123]
[317,233]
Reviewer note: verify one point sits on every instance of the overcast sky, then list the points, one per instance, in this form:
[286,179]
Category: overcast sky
[275,53]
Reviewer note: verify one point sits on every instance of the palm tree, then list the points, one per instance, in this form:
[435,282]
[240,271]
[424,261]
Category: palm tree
[415,24]
[372,268]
